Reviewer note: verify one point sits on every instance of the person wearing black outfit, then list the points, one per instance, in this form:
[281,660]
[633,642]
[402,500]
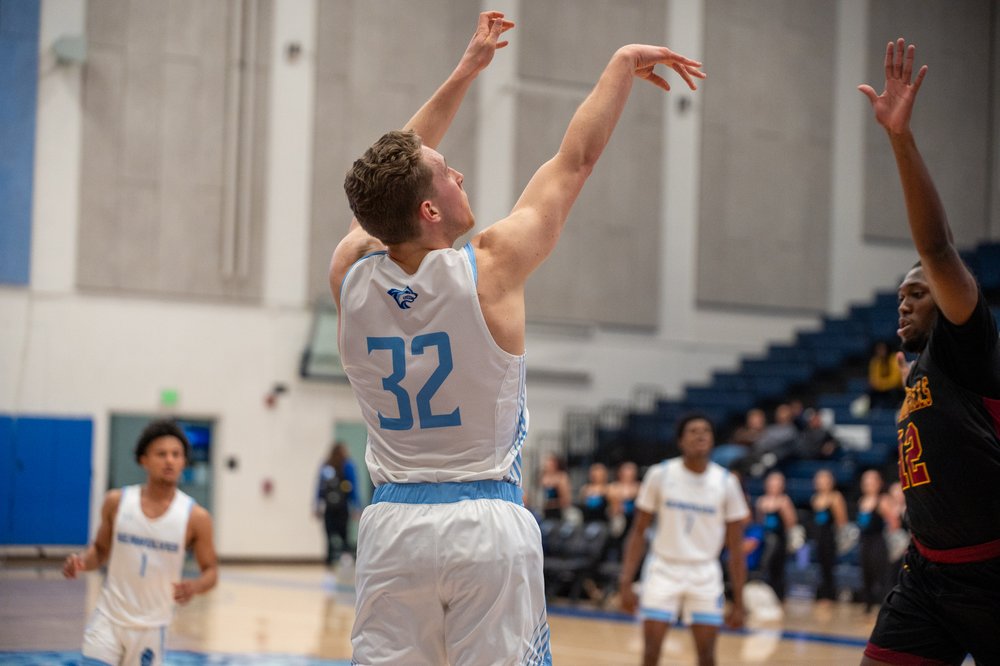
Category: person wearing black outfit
[776,513]
[829,514]
[873,516]
[945,602]
[594,494]
[336,494]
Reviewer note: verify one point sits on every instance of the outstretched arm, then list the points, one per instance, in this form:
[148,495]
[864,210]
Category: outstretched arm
[435,116]
[952,285]
[524,239]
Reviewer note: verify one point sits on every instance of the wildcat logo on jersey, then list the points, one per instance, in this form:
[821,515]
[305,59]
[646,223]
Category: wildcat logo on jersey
[404,297]
[918,396]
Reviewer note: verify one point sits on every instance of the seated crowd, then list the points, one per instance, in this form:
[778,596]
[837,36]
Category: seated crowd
[808,535]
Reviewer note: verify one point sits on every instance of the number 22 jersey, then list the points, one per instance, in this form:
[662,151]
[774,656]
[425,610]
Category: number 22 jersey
[442,401]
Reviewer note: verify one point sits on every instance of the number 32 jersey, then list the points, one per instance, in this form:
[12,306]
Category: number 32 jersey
[442,401]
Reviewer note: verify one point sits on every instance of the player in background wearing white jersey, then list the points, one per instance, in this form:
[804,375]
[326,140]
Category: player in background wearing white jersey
[699,507]
[449,561]
[143,536]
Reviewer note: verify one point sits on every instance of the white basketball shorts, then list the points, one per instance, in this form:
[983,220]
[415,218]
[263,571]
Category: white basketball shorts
[669,587]
[105,642]
[449,573]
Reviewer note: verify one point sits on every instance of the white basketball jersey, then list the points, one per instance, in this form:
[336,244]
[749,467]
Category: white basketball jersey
[442,401]
[691,509]
[147,557]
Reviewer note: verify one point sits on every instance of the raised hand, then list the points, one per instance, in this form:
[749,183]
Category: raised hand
[646,57]
[894,106]
[486,40]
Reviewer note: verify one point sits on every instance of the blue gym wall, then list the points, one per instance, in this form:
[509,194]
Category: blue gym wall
[19,20]
[45,473]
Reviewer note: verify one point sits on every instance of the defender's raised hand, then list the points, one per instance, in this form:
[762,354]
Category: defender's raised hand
[646,57]
[894,106]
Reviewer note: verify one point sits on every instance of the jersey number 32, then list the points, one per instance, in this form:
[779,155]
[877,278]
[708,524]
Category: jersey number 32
[396,347]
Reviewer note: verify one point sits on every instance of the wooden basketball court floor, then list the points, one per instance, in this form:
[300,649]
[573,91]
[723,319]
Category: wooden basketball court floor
[300,615]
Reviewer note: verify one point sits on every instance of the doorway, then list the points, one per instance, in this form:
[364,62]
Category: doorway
[354,434]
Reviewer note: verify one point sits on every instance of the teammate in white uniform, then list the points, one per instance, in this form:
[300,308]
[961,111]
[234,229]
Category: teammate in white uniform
[432,338]
[143,536]
[699,507]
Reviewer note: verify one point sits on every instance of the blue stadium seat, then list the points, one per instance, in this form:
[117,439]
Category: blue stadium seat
[988,268]
[701,397]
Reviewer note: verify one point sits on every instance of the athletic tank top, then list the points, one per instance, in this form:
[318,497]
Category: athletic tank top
[595,507]
[871,523]
[443,403]
[822,517]
[147,556]
[773,522]
[691,509]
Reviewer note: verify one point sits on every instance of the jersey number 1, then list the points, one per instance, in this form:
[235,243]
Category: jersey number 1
[397,348]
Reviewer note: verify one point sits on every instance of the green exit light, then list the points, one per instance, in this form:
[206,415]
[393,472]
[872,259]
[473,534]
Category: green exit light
[169,397]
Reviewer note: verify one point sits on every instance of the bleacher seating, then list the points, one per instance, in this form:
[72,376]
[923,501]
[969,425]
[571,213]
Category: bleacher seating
[573,553]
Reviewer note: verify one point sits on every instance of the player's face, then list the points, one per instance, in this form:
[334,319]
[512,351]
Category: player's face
[917,311]
[697,439]
[164,459]
[449,194]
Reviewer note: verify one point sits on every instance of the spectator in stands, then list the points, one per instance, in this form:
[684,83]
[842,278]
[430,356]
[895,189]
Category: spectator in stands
[780,435]
[874,515]
[816,442]
[594,494]
[798,413]
[752,428]
[775,511]
[829,515]
[777,442]
[885,383]
[556,491]
[621,497]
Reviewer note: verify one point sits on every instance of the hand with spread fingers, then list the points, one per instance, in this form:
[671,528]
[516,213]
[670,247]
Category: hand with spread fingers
[894,106]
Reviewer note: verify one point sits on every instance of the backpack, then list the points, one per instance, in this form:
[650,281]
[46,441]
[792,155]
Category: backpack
[334,491]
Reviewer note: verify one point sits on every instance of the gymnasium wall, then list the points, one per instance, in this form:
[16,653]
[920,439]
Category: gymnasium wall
[605,317]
